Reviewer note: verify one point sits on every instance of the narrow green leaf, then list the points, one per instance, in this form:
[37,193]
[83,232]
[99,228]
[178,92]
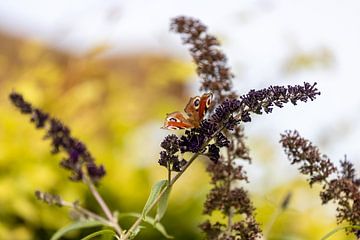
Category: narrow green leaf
[338,229]
[155,190]
[109,237]
[99,233]
[130,214]
[162,206]
[158,226]
[74,226]
[135,232]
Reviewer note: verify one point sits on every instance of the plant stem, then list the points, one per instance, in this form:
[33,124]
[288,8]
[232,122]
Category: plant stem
[85,211]
[103,205]
[169,173]
[172,182]
[228,189]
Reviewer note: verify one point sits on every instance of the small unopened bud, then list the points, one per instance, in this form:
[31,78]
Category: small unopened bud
[48,198]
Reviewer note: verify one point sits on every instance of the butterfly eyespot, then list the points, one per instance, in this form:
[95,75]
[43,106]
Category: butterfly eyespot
[197,103]
[172,119]
[208,102]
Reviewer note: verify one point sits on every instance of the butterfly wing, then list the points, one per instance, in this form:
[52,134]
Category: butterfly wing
[205,102]
[192,110]
[176,121]
[197,107]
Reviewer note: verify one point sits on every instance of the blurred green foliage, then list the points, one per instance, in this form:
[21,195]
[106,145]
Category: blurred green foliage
[305,60]
[116,106]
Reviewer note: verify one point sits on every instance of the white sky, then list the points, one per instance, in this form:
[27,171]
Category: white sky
[258,37]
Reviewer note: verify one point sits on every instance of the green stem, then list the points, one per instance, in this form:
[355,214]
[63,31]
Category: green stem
[103,205]
[169,172]
[86,212]
[228,189]
[99,233]
[172,182]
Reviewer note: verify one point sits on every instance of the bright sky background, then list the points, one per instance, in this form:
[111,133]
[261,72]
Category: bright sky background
[258,36]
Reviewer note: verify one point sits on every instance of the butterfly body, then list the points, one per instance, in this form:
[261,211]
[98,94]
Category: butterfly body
[195,111]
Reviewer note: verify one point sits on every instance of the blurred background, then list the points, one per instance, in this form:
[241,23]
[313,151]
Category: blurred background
[111,70]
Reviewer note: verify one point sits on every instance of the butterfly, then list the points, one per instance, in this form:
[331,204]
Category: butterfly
[195,111]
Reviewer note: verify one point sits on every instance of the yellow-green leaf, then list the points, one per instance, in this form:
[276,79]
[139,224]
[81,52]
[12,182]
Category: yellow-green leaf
[74,226]
[162,205]
[155,191]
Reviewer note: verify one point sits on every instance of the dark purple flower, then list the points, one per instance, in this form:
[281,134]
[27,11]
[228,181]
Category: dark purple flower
[264,100]
[94,171]
[163,161]
[208,128]
[213,153]
[192,141]
[223,125]
[171,144]
[232,123]
[18,100]
[169,158]
[221,140]
[61,139]
[177,165]
[211,62]
[223,111]
[342,189]
[39,118]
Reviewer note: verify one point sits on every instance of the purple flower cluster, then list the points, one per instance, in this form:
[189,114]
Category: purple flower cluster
[223,111]
[317,166]
[211,62]
[169,157]
[78,157]
[223,129]
[343,188]
[223,116]
[195,139]
[265,99]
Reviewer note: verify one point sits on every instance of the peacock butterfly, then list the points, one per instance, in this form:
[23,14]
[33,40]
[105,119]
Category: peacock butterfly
[195,111]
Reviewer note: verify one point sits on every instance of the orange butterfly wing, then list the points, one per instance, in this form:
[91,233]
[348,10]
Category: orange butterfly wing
[205,102]
[195,109]
[192,110]
[176,121]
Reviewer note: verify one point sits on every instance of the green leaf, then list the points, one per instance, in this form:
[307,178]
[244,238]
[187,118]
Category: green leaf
[74,226]
[135,232]
[155,190]
[99,233]
[109,237]
[158,226]
[130,214]
[338,229]
[162,206]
